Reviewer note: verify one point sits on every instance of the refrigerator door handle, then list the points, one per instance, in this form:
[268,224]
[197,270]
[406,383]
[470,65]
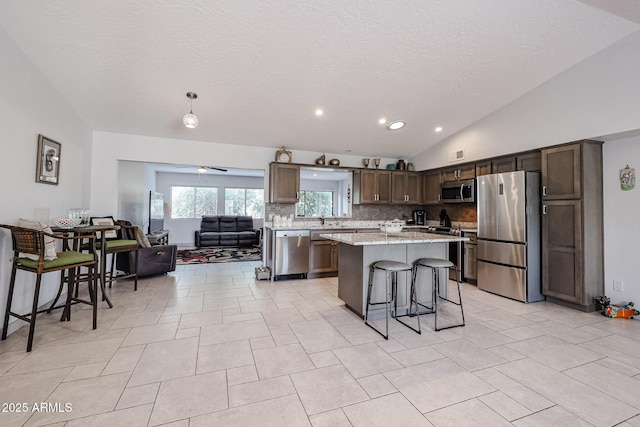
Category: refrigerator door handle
[501,188]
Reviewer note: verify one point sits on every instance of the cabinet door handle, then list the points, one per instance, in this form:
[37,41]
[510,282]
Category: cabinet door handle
[544,209]
[297,195]
[544,190]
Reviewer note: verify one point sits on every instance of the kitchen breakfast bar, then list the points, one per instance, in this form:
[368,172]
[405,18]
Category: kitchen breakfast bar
[359,250]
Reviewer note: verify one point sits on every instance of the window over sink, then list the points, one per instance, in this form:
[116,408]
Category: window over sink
[324,192]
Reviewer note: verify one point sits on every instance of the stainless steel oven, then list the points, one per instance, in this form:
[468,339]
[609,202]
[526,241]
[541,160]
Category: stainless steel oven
[458,191]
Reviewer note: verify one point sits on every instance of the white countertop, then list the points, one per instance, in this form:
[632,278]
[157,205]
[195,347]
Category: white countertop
[347,224]
[368,239]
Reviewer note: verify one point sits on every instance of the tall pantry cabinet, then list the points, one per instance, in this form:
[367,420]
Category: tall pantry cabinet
[572,224]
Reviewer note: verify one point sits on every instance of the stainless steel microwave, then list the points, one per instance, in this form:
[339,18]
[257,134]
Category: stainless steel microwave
[458,191]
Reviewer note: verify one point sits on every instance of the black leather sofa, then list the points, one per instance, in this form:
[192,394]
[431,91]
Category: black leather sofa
[226,230]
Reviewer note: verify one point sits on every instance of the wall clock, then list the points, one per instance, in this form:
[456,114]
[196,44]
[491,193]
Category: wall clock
[283,156]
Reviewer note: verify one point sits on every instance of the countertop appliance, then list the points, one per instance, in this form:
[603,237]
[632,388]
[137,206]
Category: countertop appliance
[419,217]
[458,191]
[445,221]
[509,235]
[291,257]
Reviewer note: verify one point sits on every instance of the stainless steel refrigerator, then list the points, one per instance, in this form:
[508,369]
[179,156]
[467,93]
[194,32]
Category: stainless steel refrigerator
[509,235]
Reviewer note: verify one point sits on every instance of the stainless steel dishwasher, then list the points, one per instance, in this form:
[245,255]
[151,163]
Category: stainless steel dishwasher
[291,254]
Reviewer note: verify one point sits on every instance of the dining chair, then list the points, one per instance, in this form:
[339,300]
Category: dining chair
[29,255]
[122,242]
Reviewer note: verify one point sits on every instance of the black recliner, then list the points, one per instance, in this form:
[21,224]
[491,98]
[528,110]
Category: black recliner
[152,260]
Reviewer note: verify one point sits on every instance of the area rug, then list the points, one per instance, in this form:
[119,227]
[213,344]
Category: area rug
[210,255]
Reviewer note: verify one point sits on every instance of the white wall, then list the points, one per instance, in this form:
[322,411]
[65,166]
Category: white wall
[135,181]
[109,148]
[29,106]
[621,220]
[182,229]
[596,97]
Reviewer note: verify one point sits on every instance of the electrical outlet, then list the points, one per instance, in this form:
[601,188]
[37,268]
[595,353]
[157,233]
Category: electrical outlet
[617,285]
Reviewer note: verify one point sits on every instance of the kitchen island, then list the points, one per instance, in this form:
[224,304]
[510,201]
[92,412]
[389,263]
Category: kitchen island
[359,250]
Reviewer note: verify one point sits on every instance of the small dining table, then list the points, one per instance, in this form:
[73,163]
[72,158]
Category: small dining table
[101,232]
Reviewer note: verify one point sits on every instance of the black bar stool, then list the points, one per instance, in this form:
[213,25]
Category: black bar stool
[435,264]
[391,269]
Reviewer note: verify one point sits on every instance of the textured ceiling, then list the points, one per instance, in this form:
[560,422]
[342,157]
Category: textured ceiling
[261,68]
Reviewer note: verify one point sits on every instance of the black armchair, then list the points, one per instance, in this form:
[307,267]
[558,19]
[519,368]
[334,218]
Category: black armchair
[152,260]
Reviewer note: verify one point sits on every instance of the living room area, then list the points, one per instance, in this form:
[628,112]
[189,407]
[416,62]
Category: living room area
[171,200]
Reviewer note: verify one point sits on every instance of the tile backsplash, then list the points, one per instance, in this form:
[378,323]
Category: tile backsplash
[359,212]
[460,213]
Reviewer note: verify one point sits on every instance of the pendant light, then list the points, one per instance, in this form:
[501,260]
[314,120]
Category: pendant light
[190,120]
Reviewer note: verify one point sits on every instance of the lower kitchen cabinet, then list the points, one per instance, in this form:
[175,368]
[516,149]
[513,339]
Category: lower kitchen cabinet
[562,267]
[323,257]
[323,253]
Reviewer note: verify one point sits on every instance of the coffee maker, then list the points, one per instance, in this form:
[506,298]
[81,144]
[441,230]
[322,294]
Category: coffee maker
[419,217]
[445,221]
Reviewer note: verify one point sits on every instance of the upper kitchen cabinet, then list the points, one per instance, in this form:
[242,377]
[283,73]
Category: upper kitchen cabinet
[561,172]
[431,187]
[572,224]
[406,188]
[483,168]
[503,164]
[284,183]
[371,186]
[529,162]
[459,172]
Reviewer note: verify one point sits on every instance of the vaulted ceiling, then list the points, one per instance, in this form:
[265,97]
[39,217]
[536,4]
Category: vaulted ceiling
[262,68]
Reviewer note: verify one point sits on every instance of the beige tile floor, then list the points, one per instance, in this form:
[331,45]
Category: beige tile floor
[210,346]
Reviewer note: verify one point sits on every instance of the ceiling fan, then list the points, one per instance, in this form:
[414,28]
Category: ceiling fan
[203,169]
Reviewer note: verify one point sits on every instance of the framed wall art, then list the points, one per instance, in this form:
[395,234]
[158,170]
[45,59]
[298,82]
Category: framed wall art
[48,161]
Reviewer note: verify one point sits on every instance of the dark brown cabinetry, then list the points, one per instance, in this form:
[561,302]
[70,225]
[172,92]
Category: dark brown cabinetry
[503,164]
[459,172]
[483,168]
[323,256]
[406,188]
[572,224]
[284,183]
[323,253]
[372,186]
[530,162]
[431,188]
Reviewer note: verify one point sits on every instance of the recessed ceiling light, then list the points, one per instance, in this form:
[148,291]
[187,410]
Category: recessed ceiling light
[395,125]
[382,121]
[319,112]
[202,169]
[439,129]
